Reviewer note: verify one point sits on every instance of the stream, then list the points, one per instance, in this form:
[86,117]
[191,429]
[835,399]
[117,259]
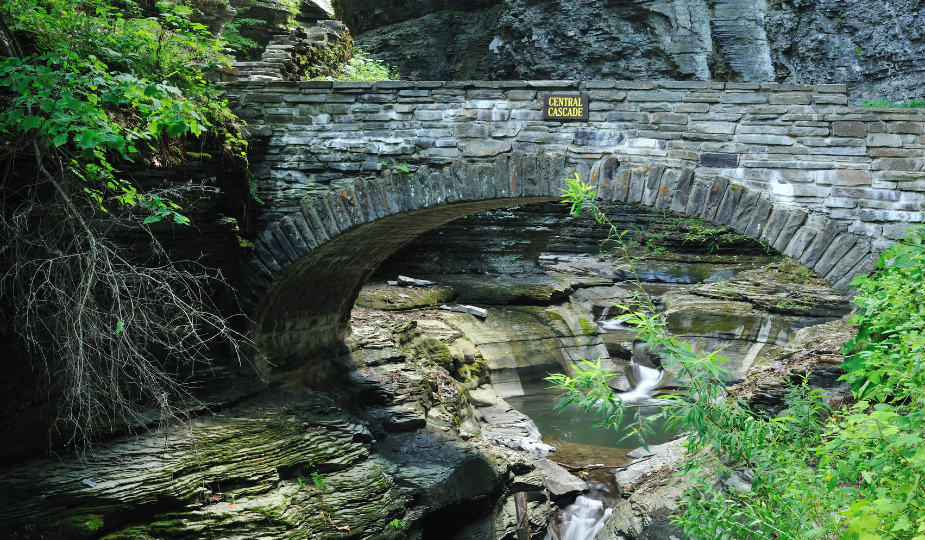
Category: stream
[741,337]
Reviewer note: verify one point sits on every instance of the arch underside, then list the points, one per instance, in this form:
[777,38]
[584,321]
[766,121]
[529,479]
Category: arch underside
[308,268]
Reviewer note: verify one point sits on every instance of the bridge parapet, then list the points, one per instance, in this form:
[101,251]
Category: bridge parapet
[791,165]
[801,144]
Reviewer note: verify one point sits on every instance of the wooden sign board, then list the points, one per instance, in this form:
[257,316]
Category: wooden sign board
[566,107]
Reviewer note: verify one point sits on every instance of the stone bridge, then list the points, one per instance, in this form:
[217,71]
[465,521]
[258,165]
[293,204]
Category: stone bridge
[352,171]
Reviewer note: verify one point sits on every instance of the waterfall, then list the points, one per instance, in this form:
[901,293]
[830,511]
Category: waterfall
[641,369]
[581,520]
[647,379]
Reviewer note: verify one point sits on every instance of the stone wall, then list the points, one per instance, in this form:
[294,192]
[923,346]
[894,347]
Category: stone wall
[800,144]
[791,165]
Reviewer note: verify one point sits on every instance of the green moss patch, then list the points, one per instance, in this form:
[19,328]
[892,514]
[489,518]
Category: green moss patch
[391,298]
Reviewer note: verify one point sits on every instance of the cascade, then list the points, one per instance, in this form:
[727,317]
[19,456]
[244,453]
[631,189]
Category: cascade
[581,520]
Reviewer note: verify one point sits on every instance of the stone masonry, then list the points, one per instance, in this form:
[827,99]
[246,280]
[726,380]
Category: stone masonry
[304,51]
[790,165]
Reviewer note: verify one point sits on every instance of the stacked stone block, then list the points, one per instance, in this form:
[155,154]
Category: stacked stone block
[790,165]
[304,52]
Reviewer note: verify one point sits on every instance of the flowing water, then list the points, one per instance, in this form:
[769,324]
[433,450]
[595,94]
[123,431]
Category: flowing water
[646,380]
[582,519]
[599,451]
[579,443]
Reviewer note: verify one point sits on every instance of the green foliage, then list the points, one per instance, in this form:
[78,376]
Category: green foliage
[110,85]
[237,43]
[362,67]
[397,524]
[318,481]
[90,89]
[252,187]
[579,195]
[889,359]
[881,103]
[713,237]
[853,474]
[586,327]
[403,166]
[795,272]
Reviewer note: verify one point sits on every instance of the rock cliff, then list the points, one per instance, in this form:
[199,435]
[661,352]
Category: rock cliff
[877,48]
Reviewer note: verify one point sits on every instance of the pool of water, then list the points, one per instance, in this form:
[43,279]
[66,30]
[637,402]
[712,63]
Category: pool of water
[572,428]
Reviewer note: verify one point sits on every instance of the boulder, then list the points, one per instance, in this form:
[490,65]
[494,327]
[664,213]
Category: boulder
[561,484]
[657,457]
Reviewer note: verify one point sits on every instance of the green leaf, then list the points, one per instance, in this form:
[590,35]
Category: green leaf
[86,139]
[30,122]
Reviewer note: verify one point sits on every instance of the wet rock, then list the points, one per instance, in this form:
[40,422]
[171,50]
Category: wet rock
[655,458]
[523,344]
[404,280]
[484,396]
[867,46]
[505,289]
[438,342]
[472,310]
[504,241]
[250,463]
[602,297]
[652,498]
[787,288]
[814,354]
[445,472]
[363,15]
[519,474]
[562,485]
[741,331]
[386,297]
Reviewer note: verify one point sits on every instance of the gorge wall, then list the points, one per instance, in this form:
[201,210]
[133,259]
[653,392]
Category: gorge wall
[876,47]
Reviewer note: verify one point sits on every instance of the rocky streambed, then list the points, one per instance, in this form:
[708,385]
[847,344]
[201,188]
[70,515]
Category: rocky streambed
[439,424]
[759,312]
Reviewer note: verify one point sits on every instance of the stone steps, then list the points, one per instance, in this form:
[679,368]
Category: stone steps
[276,62]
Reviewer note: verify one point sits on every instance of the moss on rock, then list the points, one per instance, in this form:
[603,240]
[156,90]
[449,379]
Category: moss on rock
[394,298]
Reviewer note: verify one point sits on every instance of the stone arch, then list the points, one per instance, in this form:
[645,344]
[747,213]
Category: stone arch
[308,267]
[813,239]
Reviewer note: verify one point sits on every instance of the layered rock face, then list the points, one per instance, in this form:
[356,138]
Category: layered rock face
[876,47]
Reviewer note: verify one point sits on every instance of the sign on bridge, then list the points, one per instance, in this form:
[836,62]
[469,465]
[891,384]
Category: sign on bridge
[565,107]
